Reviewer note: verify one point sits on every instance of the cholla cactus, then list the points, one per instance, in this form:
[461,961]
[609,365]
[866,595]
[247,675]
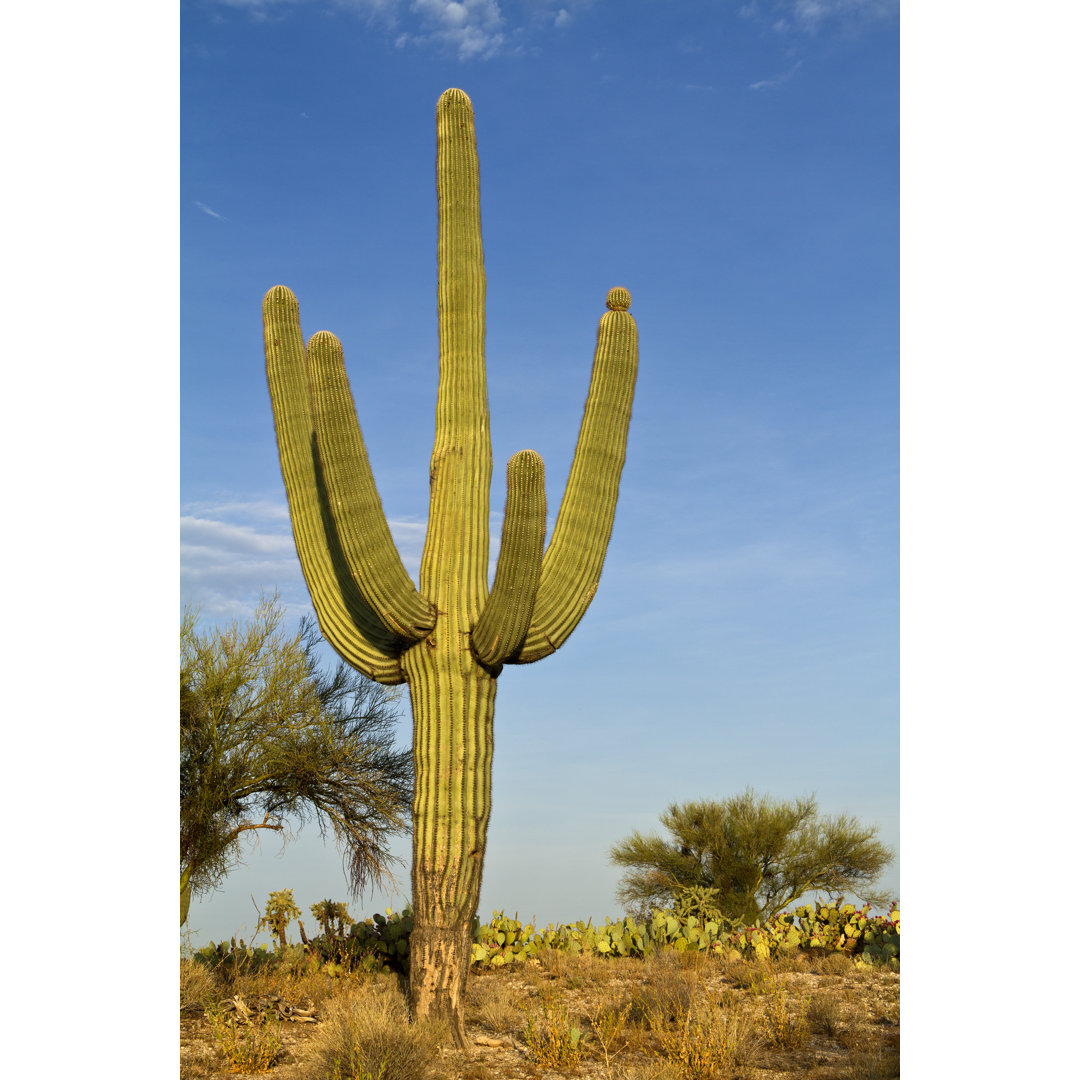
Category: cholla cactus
[449,638]
[331,917]
[281,909]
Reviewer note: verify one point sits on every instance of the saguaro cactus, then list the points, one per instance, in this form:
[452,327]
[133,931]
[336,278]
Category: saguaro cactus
[449,639]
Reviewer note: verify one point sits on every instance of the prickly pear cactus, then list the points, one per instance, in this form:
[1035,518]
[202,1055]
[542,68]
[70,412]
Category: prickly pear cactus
[449,638]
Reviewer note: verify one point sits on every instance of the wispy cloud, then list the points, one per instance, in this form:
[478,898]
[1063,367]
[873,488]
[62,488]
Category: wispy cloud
[811,13]
[776,80]
[778,562]
[206,210]
[808,16]
[264,9]
[259,509]
[205,534]
[471,29]
[233,550]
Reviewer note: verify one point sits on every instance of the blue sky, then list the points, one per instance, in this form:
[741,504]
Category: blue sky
[96,446]
[736,167]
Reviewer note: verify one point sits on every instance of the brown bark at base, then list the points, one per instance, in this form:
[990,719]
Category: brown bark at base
[439,959]
[453,705]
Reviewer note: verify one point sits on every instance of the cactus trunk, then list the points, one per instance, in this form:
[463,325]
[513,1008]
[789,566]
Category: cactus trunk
[452,696]
[453,704]
[449,639]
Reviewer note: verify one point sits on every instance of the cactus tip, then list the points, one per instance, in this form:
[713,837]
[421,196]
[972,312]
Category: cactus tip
[618,299]
[279,294]
[323,338]
[453,95]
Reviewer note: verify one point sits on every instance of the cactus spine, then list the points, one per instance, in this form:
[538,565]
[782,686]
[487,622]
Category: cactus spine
[449,639]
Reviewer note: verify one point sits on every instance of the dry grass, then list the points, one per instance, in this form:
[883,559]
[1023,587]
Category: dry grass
[825,1015]
[608,1016]
[198,988]
[785,1013]
[871,1063]
[835,964]
[365,1034]
[575,972]
[249,1048]
[553,1036]
[742,974]
[669,1017]
[669,983]
[494,1004]
[708,1041]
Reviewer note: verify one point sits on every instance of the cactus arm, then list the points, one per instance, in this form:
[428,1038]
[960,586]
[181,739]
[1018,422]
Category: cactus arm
[570,573]
[450,653]
[366,542]
[345,619]
[501,629]
[453,572]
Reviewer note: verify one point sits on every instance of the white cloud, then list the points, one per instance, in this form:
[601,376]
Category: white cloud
[809,15]
[812,13]
[384,8]
[206,210]
[471,28]
[232,551]
[205,534]
[776,80]
[255,4]
[261,509]
[822,9]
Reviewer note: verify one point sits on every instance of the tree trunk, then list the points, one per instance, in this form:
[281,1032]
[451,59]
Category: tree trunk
[453,704]
[185,893]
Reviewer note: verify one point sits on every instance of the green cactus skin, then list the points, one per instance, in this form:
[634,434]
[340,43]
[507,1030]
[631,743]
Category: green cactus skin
[575,555]
[501,629]
[449,639]
[346,618]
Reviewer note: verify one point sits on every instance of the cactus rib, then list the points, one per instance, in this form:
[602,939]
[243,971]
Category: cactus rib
[454,565]
[502,627]
[574,558]
[448,639]
[369,549]
[345,618]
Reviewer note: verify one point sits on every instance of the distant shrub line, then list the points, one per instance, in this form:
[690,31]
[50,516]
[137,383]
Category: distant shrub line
[383,940]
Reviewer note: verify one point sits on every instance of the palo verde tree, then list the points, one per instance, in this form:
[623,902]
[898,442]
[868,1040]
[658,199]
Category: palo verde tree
[449,638]
[267,735]
[748,857]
